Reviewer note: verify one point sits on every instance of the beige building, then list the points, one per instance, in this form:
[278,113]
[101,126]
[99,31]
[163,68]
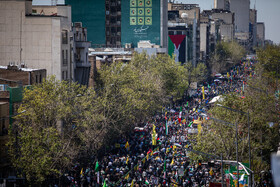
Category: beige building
[260,34]
[38,36]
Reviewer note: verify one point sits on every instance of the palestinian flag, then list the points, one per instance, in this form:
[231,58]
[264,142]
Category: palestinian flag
[147,182]
[177,47]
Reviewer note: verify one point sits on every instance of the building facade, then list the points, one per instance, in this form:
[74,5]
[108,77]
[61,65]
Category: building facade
[241,10]
[80,50]
[260,34]
[14,75]
[37,36]
[120,23]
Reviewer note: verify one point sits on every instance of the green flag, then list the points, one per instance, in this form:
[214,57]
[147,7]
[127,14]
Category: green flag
[96,166]
[190,124]
[165,164]
[104,184]
[166,128]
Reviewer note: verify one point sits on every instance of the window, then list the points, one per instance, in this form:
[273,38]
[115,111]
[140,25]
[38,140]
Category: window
[64,37]
[62,76]
[64,57]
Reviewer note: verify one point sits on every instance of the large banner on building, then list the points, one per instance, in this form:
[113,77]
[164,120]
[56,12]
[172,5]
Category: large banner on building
[140,21]
[177,47]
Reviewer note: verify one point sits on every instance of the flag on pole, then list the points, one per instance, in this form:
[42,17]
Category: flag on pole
[180,115]
[126,177]
[166,128]
[147,182]
[132,183]
[96,166]
[172,162]
[127,145]
[190,124]
[127,160]
[203,92]
[104,184]
[97,170]
[81,173]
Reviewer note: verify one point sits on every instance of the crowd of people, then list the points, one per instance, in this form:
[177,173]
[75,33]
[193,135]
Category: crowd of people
[157,154]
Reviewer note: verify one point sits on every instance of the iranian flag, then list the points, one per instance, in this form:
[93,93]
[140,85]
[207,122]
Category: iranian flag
[180,115]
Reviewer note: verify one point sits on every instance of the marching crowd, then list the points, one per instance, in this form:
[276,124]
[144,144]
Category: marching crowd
[157,154]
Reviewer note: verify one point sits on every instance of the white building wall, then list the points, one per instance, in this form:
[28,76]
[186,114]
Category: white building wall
[34,40]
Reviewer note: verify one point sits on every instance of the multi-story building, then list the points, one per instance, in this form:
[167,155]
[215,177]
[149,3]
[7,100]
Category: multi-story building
[113,23]
[119,23]
[253,27]
[38,36]
[260,34]
[80,51]
[241,10]
[184,32]
[222,4]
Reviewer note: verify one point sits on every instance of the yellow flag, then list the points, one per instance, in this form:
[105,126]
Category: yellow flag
[82,171]
[174,147]
[154,128]
[172,162]
[132,183]
[127,145]
[203,92]
[211,172]
[147,157]
[126,177]
[127,160]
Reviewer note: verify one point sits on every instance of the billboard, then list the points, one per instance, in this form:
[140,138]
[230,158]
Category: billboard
[177,47]
[140,21]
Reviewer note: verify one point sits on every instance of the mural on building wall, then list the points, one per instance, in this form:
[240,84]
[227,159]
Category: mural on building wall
[141,13]
[177,47]
[140,21]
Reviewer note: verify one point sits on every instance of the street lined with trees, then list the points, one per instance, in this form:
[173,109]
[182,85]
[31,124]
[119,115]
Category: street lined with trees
[62,123]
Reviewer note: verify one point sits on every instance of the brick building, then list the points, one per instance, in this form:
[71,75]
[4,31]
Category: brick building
[13,75]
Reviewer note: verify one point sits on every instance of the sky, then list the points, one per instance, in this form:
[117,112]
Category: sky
[268,12]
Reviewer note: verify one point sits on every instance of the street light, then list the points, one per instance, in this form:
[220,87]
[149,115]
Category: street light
[248,117]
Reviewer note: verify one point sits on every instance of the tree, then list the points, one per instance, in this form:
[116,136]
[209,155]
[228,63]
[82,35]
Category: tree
[269,58]
[226,54]
[259,100]
[46,138]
